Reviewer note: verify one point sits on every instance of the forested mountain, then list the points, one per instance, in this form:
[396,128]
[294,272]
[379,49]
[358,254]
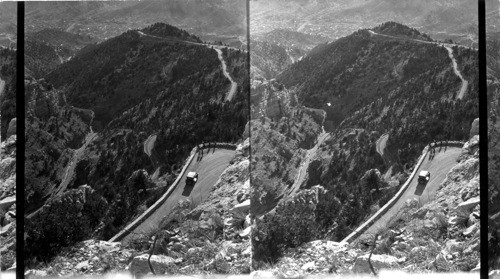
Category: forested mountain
[88,121]
[364,74]
[48,48]
[8,24]
[8,77]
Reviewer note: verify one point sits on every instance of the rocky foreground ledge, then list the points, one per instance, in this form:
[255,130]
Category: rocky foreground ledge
[260,274]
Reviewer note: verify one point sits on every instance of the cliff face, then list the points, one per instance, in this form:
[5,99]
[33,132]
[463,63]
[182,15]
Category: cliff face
[8,201]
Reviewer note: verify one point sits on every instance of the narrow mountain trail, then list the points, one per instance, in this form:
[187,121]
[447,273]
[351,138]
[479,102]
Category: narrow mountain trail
[149,144]
[234,85]
[448,47]
[465,83]
[381,144]
[217,48]
[2,86]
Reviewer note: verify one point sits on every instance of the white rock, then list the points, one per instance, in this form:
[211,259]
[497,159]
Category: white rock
[470,230]
[82,265]
[241,210]
[468,205]
[247,252]
[35,273]
[262,274]
[8,201]
[160,263]
[378,261]
[248,221]
[110,246]
[246,233]
[309,266]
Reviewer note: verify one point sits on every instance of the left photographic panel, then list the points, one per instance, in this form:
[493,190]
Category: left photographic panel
[136,151]
[8,47]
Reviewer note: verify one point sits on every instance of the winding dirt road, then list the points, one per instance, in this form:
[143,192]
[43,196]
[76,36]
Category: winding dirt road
[232,90]
[149,144]
[465,83]
[217,48]
[209,169]
[2,86]
[439,167]
[448,47]
[381,144]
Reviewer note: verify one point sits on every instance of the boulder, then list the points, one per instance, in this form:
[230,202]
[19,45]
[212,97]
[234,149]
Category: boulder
[378,261]
[474,129]
[7,202]
[470,230]
[453,246]
[160,263]
[262,274]
[35,273]
[241,210]
[468,205]
[247,252]
[246,233]
[109,246]
[82,265]
[309,266]
[473,219]
[248,221]
[11,130]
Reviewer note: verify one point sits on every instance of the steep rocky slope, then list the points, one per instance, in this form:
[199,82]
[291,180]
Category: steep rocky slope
[8,200]
[441,236]
[211,237]
[87,124]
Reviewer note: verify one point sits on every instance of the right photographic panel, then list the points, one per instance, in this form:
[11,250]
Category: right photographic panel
[364,135]
[493,89]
